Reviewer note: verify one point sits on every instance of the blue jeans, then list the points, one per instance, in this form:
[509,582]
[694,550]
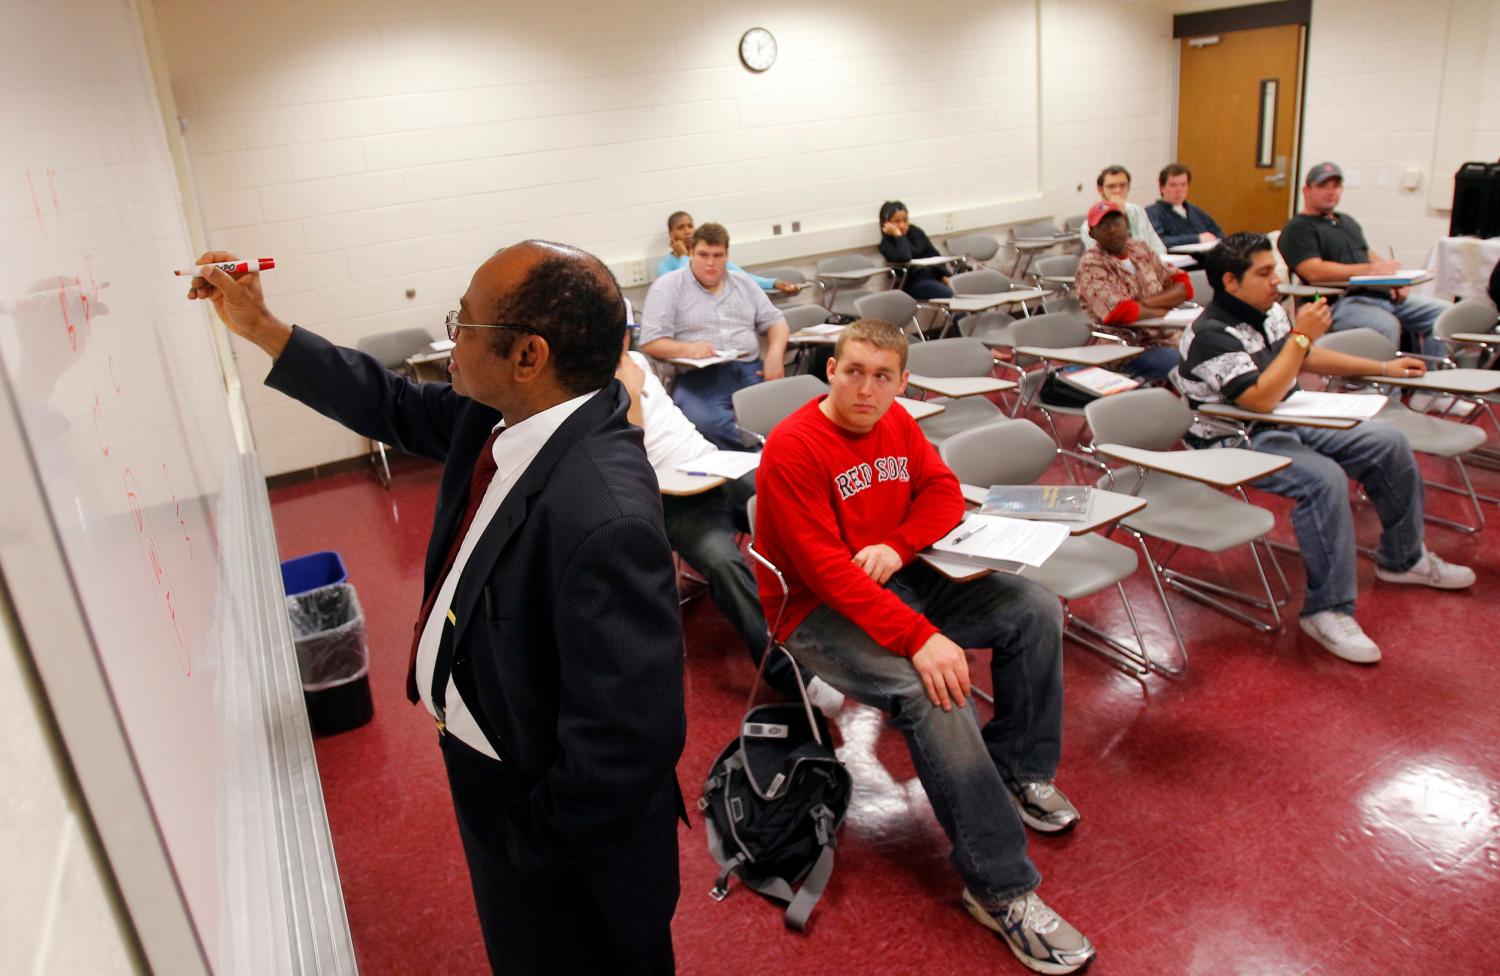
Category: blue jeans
[1153,364]
[706,397]
[962,767]
[1323,461]
[702,530]
[1415,315]
[929,288]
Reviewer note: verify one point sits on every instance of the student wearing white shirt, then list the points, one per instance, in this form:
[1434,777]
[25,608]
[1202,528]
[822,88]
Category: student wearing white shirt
[1113,183]
[703,528]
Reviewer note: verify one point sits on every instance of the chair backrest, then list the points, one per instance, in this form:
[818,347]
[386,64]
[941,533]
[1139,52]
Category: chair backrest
[893,306]
[1203,292]
[980,324]
[1151,419]
[1075,224]
[1053,330]
[950,357]
[1469,315]
[979,247]
[804,316]
[393,348]
[760,407]
[1033,230]
[1006,452]
[983,282]
[783,274]
[1359,342]
[1056,264]
[847,262]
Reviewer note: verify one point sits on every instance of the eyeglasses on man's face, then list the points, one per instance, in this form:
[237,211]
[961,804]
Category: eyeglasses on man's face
[453,325]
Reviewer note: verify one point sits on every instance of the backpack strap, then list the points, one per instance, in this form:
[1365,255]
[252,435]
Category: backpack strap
[812,890]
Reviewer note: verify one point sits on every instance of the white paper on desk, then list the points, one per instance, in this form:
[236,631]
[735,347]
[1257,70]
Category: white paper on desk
[722,464]
[1404,276]
[1182,316]
[719,356]
[827,328]
[1350,406]
[1001,542]
[441,345]
[1178,260]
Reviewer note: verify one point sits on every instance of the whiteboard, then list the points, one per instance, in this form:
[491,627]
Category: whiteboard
[136,541]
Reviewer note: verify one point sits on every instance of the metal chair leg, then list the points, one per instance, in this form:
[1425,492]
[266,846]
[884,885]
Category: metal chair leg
[1161,593]
[382,466]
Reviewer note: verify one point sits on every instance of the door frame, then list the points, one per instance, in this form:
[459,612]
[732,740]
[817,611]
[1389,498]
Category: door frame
[1229,19]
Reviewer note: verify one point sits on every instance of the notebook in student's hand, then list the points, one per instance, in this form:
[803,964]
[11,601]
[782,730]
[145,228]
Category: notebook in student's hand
[719,356]
[1096,380]
[1006,544]
[1405,276]
[1063,503]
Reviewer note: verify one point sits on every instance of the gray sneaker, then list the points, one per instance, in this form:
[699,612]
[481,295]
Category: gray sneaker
[1430,571]
[1035,934]
[1043,808]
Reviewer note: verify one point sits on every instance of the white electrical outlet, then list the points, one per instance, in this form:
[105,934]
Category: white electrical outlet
[632,273]
[950,221]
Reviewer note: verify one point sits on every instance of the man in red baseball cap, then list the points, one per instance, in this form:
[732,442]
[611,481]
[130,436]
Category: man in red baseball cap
[1122,280]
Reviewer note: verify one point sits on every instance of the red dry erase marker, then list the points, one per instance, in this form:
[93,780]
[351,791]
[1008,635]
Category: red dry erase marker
[231,267]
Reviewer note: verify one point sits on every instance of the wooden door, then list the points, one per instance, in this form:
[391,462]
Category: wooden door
[1243,162]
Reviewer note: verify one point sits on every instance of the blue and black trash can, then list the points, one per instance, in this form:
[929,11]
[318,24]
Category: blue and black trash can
[328,628]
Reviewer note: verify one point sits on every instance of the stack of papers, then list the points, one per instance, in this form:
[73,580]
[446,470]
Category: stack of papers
[1006,544]
[722,464]
[1349,406]
[719,356]
[827,328]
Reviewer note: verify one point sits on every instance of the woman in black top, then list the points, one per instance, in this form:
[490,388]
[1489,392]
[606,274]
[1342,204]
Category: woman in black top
[901,240]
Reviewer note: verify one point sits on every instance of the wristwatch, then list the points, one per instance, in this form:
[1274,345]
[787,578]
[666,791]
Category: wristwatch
[1302,341]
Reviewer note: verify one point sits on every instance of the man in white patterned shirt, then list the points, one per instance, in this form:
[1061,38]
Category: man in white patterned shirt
[1243,350]
[706,310]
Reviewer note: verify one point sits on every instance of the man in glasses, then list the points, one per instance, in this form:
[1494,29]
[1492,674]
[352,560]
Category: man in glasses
[548,648]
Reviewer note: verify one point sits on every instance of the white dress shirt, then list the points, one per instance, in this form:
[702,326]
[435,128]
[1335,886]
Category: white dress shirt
[671,438]
[514,452]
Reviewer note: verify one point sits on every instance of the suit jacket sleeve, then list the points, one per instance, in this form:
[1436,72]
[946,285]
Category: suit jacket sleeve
[354,389]
[621,723]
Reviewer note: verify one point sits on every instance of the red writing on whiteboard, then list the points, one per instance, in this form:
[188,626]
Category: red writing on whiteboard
[36,204]
[99,424]
[110,360]
[52,186]
[178,506]
[62,301]
[146,537]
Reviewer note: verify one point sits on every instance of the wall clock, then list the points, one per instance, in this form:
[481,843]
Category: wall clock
[757,49]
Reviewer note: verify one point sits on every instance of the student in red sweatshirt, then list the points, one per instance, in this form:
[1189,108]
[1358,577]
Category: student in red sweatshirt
[849,491]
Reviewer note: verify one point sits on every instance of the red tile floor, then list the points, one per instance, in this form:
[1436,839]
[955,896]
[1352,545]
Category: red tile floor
[1275,812]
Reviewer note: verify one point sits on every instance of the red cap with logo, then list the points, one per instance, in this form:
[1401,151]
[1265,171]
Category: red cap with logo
[1103,209]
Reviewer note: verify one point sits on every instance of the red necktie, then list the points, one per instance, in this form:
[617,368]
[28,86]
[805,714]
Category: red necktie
[479,482]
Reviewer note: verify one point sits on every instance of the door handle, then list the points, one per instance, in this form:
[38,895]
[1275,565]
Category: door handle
[1277,180]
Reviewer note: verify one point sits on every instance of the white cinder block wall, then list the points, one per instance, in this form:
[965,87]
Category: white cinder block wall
[375,146]
[1374,84]
[58,909]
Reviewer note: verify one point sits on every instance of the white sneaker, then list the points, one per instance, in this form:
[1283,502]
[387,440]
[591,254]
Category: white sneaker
[1341,636]
[1430,570]
[825,697]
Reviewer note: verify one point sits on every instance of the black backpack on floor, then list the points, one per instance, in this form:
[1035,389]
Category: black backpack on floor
[773,803]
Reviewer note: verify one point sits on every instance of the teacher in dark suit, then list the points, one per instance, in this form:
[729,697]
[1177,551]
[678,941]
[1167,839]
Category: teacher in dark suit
[548,649]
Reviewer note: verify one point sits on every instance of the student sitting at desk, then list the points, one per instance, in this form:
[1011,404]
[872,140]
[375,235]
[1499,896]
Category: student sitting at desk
[1175,220]
[850,490]
[704,310]
[702,528]
[1243,350]
[1323,245]
[1113,183]
[1123,280]
[680,237]
[901,240]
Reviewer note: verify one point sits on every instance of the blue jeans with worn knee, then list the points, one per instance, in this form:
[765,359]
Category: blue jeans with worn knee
[1323,461]
[1414,315]
[1156,363]
[706,397]
[962,767]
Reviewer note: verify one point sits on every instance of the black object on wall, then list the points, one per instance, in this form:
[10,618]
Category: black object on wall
[1476,201]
